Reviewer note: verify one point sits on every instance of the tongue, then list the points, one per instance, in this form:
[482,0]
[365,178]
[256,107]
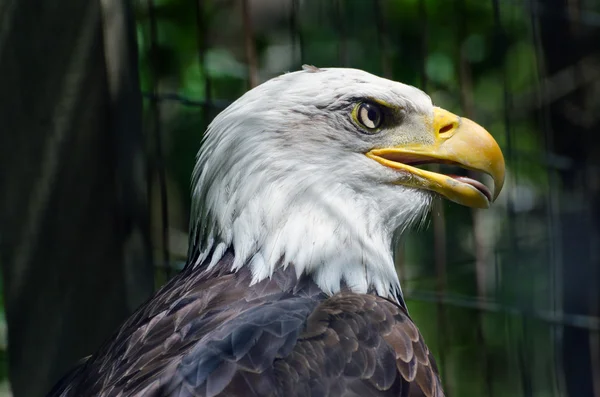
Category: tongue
[476,184]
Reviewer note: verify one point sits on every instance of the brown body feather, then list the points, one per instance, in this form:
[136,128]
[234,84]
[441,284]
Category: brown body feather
[209,333]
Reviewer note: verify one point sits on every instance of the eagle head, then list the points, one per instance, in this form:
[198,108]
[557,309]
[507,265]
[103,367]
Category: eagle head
[319,169]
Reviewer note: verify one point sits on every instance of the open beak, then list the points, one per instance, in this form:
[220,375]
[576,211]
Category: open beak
[458,141]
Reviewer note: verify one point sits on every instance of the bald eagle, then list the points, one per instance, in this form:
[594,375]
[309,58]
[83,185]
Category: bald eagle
[300,188]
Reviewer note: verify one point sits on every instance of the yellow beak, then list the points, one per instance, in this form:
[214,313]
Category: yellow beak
[458,141]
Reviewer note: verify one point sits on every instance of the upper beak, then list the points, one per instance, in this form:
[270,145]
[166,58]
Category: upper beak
[458,141]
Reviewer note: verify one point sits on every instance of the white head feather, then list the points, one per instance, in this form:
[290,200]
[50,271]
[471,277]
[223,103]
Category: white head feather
[282,178]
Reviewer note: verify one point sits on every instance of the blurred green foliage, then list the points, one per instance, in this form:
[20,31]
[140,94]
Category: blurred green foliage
[468,62]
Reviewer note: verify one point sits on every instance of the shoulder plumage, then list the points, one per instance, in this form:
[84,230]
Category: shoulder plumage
[375,344]
[207,333]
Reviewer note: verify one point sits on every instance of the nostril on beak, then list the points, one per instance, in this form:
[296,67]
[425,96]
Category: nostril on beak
[447,128]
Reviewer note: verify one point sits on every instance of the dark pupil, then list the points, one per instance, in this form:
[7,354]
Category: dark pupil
[372,114]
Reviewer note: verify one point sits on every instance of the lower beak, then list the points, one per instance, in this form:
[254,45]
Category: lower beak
[458,141]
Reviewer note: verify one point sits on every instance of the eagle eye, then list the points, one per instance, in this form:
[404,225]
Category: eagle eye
[369,115]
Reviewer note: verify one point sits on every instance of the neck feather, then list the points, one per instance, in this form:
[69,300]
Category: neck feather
[332,233]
